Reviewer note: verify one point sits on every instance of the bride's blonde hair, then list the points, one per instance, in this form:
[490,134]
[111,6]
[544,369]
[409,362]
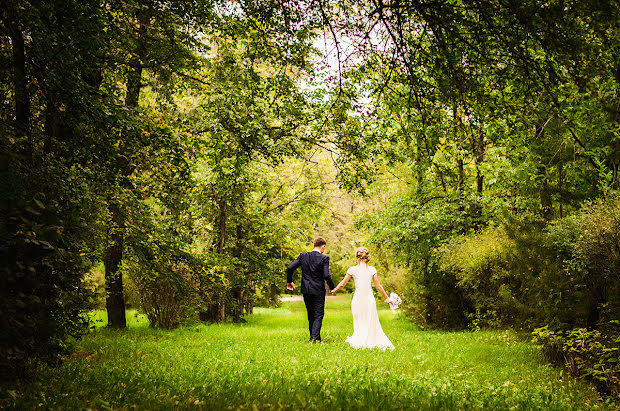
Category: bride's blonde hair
[362,254]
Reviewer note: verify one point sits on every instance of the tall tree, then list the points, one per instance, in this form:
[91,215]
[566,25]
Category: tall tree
[155,39]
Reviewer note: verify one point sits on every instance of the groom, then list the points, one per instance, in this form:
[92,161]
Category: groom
[314,273]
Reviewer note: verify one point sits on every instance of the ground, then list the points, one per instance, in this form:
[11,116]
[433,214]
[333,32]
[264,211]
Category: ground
[266,363]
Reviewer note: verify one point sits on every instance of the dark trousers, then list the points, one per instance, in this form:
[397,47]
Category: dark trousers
[315,305]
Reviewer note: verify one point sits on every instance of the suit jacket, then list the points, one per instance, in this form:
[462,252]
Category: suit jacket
[314,272]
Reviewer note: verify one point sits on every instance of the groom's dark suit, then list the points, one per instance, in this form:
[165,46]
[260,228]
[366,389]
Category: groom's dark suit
[314,274]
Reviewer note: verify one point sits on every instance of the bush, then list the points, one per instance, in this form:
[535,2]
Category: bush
[481,265]
[564,277]
[413,229]
[165,296]
[526,275]
[43,244]
[165,281]
[583,353]
[588,245]
[546,295]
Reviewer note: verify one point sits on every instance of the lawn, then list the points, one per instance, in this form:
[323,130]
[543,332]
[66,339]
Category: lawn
[266,363]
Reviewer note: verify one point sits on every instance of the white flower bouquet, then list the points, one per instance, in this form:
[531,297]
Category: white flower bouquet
[395,301]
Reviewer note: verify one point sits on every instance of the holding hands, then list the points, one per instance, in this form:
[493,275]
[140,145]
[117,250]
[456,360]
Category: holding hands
[339,287]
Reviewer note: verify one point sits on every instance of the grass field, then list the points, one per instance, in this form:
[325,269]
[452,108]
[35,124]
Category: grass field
[266,364]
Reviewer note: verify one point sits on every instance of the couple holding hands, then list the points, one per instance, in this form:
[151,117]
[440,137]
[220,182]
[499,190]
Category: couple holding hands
[367,331]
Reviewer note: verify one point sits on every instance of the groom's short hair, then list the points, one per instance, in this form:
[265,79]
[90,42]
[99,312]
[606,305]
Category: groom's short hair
[319,241]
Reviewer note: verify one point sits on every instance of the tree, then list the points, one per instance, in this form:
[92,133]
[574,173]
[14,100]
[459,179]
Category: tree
[250,111]
[484,103]
[49,231]
[153,39]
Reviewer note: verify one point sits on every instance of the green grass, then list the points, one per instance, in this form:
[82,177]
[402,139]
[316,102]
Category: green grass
[266,364]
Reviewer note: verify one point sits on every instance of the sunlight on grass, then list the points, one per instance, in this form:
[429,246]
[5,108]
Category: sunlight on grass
[135,319]
[267,364]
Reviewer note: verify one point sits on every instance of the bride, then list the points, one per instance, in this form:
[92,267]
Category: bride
[367,331]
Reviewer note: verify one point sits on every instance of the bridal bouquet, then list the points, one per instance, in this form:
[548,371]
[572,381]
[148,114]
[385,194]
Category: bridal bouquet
[396,301]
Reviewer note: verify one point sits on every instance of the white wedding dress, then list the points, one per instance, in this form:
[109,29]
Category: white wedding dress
[367,331]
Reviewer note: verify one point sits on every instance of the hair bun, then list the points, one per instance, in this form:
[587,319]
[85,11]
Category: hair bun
[362,254]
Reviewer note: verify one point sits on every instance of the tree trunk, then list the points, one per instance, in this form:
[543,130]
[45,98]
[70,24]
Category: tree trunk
[419,166]
[221,312]
[479,159]
[220,307]
[546,203]
[478,149]
[560,184]
[459,162]
[238,300]
[20,83]
[238,288]
[593,316]
[222,226]
[615,145]
[134,77]
[249,300]
[134,83]
[51,127]
[460,182]
[115,299]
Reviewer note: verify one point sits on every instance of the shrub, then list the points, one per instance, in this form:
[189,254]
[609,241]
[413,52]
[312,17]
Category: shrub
[583,353]
[165,293]
[413,229]
[43,243]
[587,249]
[545,295]
[481,265]
[163,278]
[588,245]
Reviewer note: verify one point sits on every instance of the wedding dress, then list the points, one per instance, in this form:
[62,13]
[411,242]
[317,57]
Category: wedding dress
[367,331]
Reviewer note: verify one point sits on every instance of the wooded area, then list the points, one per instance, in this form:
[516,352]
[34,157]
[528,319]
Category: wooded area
[195,147]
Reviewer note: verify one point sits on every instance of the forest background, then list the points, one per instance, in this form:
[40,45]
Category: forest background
[190,149]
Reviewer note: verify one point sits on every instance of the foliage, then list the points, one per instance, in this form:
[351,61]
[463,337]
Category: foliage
[567,272]
[68,143]
[266,364]
[157,137]
[481,265]
[412,229]
[562,277]
[588,243]
[165,280]
[44,240]
[584,353]
[481,119]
